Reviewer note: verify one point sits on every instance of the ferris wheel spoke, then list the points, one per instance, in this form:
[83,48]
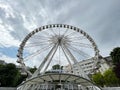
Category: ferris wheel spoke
[47,34]
[65,32]
[36,44]
[53,31]
[81,44]
[59,56]
[77,38]
[66,56]
[72,33]
[79,51]
[59,32]
[40,37]
[37,52]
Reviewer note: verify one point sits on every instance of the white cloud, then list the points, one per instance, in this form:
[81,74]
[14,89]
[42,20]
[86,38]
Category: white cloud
[29,23]
[7,39]
[7,9]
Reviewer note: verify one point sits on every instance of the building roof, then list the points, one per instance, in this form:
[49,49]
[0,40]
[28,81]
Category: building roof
[53,77]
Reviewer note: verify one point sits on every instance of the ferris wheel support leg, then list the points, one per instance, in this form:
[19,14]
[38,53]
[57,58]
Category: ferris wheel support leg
[25,69]
[67,58]
[53,50]
[81,72]
[50,57]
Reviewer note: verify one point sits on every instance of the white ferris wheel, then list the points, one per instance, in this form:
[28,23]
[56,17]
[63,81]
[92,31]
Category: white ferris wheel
[56,44]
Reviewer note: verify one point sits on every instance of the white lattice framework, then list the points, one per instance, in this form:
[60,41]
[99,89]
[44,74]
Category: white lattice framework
[58,40]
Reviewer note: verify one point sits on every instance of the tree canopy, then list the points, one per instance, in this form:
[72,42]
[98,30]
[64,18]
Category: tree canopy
[98,79]
[32,70]
[110,78]
[9,75]
[57,66]
[115,55]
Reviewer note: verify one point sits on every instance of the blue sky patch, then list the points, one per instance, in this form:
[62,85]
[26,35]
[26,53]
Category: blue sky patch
[9,51]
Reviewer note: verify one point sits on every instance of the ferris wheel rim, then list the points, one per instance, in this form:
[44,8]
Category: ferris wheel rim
[19,55]
[22,45]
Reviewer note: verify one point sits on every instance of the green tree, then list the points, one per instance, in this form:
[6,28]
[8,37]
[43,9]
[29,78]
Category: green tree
[9,75]
[115,55]
[32,70]
[110,78]
[57,66]
[98,79]
[116,69]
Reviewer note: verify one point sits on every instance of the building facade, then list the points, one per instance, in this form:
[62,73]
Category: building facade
[88,66]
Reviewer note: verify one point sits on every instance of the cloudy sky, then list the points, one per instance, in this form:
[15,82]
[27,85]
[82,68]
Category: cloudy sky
[99,18]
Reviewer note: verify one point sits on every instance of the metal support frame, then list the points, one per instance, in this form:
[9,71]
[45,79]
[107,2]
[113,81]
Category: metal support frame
[26,70]
[52,54]
[81,72]
[48,57]
[57,41]
[67,58]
